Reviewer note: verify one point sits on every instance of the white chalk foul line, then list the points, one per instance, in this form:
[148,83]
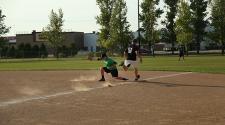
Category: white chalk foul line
[166,76]
[18,101]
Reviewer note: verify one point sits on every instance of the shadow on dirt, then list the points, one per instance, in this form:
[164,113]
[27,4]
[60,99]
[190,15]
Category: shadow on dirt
[178,85]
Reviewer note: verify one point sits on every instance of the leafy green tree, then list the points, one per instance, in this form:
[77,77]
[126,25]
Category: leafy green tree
[65,51]
[4,52]
[198,9]
[149,20]
[120,35]
[20,51]
[12,52]
[27,50]
[73,49]
[3,30]
[53,32]
[35,51]
[164,34]
[106,8]
[170,22]
[218,22]
[183,24]
[43,51]
[3,44]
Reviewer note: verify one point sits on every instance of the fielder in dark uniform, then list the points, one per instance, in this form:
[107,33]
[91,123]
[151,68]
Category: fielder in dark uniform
[130,55]
[110,67]
[181,52]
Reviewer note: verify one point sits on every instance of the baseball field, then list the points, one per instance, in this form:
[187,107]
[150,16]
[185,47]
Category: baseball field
[67,92]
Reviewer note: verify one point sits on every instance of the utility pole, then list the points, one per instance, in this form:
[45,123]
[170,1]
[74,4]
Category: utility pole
[139,40]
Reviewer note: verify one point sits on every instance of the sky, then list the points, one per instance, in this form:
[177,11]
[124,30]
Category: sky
[24,16]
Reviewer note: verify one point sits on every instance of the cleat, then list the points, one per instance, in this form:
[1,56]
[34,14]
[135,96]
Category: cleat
[121,63]
[138,77]
[125,79]
[101,80]
[110,86]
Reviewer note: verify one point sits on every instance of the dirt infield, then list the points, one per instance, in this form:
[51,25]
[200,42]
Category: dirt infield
[77,98]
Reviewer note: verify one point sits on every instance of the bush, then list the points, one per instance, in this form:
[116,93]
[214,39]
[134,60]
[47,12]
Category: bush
[12,52]
[73,49]
[27,50]
[35,51]
[97,54]
[90,56]
[43,51]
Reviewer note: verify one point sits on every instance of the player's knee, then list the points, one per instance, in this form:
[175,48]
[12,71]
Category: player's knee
[125,68]
[101,68]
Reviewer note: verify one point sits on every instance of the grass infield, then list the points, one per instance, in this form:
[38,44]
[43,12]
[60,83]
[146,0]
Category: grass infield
[203,63]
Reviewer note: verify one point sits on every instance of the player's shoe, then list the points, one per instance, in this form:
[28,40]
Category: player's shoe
[101,80]
[110,86]
[124,79]
[121,63]
[138,77]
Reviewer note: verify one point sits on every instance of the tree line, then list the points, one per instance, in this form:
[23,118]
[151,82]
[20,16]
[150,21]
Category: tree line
[23,51]
[185,23]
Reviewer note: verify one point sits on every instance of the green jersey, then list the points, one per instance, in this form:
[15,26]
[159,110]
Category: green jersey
[110,63]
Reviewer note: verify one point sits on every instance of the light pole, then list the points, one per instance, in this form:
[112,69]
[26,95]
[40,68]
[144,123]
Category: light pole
[139,40]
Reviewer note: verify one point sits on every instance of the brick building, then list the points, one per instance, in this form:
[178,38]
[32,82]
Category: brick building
[34,38]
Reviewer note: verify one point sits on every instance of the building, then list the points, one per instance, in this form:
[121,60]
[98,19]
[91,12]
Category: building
[11,40]
[90,41]
[35,39]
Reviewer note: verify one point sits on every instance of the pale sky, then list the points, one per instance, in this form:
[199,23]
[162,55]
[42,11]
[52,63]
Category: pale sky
[23,16]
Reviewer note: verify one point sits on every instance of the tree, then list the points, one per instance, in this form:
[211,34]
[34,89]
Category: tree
[12,52]
[20,53]
[106,8]
[3,30]
[53,32]
[4,52]
[73,49]
[120,35]
[64,51]
[183,24]
[43,51]
[35,51]
[164,35]
[170,23]
[27,50]
[218,22]
[148,18]
[198,9]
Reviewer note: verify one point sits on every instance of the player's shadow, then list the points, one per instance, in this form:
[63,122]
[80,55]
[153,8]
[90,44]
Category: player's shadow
[178,85]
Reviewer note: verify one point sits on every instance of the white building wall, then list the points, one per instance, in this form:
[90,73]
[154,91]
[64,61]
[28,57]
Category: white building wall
[90,41]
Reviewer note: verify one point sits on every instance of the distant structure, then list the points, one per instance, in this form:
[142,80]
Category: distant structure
[83,41]
[11,39]
[35,39]
[90,41]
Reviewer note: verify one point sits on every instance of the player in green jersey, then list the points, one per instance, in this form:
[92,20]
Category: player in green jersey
[109,67]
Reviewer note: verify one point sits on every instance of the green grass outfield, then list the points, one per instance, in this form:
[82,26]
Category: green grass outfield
[203,63]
